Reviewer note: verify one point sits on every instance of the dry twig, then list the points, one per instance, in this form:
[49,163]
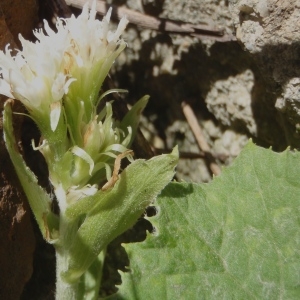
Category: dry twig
[203,31]
[115,176]
[197,131]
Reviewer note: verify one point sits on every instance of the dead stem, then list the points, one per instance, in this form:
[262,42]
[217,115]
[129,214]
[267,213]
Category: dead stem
[198,133]
[201,31]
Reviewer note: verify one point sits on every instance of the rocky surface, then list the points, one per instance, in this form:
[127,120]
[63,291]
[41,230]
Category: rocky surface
[268,31]
[248,87]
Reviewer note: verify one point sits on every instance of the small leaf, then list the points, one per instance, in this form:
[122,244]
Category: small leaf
[110,213]
[84,156]
[38,199]
[132,118]
[89,284]
[237,237]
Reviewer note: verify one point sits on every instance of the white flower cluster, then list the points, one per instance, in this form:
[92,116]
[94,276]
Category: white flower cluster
[58,78]
[42,72]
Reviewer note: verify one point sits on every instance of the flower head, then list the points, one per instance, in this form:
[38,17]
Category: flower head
[92,49]
[69,63]
[58,79]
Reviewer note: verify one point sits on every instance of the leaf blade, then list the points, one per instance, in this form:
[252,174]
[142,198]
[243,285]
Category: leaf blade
[237,237]
[39,200]
[113,212]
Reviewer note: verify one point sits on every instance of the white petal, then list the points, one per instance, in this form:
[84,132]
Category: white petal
[35,91]
[58,87]
[67,84]
[60,196]
[5,89]
[85,156]
[108,15]
[113,37]
[93,11]
[74,194]
[54,114]
[48,30]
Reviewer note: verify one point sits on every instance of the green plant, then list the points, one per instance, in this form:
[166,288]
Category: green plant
[58,79]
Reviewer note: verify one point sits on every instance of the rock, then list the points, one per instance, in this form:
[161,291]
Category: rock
[269,31]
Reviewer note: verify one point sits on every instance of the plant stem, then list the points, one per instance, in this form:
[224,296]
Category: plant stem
[89,284]
[64,290]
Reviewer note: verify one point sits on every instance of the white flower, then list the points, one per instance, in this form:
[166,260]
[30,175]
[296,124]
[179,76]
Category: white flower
[92,49]
[79,53]
[90,39]
[58,78]
[34,75]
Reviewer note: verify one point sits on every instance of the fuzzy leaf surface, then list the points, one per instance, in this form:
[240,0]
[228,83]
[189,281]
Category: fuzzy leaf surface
[38,198]
[110,213]
[237,237]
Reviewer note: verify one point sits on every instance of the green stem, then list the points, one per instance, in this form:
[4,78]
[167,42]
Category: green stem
[91,279]
[89,284]
[65,290]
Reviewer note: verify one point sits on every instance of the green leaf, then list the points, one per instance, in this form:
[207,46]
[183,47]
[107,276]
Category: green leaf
[237,237]
[132,118]
[89,284]
[110,213]
[38,198]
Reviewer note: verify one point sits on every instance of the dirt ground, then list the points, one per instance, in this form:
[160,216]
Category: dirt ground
[244,87]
